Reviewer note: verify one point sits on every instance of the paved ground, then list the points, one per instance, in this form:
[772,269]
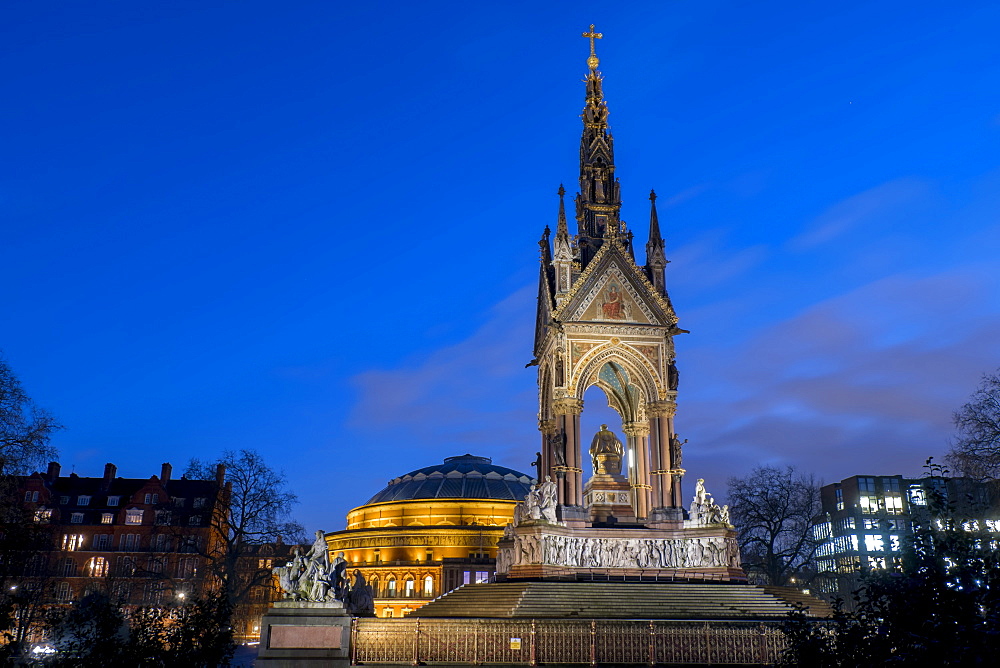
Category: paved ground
[245,656]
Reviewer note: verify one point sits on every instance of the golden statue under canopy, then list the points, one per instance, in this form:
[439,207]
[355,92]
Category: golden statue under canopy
[606,452]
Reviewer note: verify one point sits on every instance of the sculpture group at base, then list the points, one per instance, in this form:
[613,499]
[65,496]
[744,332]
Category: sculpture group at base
[313,577]
[539,504]
[704,510]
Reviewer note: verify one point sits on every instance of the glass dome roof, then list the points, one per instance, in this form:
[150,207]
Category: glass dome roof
[464,477]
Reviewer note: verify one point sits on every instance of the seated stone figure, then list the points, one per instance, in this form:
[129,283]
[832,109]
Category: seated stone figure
[606,452]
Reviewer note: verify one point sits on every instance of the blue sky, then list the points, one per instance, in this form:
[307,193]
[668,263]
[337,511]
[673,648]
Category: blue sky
[310,228]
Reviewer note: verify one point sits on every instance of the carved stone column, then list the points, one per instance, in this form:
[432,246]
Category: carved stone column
[637,434]
[569,473]
[548,428]
[661,418]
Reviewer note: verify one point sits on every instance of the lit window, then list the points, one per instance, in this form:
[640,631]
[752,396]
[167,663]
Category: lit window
[917,496]
[874,543]
[133,516]
[83,500]
[876,563]
[869,524]
[114,500]
[410,588]
[894,505]
[107,518]
[482,576]
[428,586]
[467,577]
[43,515]
[97,567]
[76,518]
[821,531]
[894,543]
[72,541]
[869,504]
[391,586]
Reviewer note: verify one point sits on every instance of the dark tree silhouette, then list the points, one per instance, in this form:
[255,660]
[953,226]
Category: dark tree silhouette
[772,510]
[975,451]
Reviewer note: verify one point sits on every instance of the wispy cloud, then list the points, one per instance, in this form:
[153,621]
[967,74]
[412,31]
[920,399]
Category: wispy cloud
[864,382]
[474,395]
[879,205]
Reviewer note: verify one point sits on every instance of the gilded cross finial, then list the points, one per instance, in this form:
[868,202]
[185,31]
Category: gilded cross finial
[592,61]
[561,191]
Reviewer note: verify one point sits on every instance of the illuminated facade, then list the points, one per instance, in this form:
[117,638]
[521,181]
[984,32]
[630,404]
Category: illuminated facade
[430,531]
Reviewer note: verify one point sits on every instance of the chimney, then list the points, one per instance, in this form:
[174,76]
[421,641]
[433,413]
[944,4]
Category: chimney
[110,470]
[220,474]
[53,471]
[165,471]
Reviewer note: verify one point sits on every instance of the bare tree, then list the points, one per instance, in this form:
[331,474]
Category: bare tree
[975,452]
[253,510]
[772,510]
[25,428]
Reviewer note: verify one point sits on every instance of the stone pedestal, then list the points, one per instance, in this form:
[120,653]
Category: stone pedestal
[609,498]
[304,633]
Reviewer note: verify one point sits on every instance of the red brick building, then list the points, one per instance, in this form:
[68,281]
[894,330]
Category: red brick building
[141,539]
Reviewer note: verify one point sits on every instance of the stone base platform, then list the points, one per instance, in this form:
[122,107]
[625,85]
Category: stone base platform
[303,633]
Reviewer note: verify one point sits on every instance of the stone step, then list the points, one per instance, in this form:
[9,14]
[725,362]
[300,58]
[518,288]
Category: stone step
[619,601]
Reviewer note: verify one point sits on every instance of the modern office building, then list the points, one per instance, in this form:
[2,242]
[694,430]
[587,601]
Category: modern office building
[866,519]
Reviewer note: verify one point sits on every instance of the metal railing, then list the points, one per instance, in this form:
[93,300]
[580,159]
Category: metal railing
[417,641]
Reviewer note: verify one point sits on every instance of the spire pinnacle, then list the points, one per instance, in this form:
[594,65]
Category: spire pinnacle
[561,229]
[592,61]
[656,259]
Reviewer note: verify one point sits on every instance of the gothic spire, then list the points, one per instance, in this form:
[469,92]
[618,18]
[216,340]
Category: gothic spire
[598,202]
[656,259]
[563,250]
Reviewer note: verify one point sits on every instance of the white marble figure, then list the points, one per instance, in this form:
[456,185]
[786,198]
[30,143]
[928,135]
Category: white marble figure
[317,569]
[698,503]
[546,497]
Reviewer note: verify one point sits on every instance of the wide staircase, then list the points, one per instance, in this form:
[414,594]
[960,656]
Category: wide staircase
[620,600]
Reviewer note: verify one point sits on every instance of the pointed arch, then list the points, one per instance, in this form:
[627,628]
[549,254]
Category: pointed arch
[638,369]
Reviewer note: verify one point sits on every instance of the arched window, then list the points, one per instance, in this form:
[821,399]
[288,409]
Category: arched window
[97,567]
[390,587]
[429,586]
[374,585]
[411,587]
